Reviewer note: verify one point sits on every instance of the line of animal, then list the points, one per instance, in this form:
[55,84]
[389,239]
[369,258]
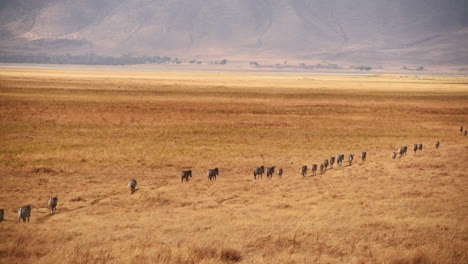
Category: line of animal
[52,204]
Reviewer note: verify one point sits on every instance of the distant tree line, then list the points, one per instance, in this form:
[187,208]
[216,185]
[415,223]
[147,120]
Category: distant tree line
[87,59]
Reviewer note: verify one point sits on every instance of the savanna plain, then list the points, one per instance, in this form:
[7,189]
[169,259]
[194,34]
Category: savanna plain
[81,135]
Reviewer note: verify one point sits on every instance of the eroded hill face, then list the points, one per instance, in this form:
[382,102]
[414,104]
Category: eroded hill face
[374,31]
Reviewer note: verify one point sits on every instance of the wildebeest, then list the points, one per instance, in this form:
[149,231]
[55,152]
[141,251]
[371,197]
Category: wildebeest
[350,159]
[402,151]
[270,172]
[185,174]
[213,173]
[394,155]
[258,171]
[314,169]
[52,204]
[2,214]
[420,147]
[339,160]
[415,147]
[304,171]
[280,172]
[437,144]
[332,161]
[132,183]
[322,167]
[24,213]
[461,129]
[325,163]
[364,155]
[466,132]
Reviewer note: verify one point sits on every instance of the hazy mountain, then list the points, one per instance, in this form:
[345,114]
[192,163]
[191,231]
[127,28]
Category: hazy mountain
[376,31]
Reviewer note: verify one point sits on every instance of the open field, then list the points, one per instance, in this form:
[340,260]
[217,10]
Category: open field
[81,135]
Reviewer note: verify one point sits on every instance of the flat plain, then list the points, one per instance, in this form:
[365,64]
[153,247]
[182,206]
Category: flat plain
[82,134]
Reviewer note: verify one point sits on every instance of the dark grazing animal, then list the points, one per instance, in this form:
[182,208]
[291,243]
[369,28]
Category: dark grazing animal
[2,214]
[364,155]
[24,213]
[339,160]
[437,144]
[270,172]
[280,172]
[461,129]
[52,204]
[394,155]
[258,171]
[466,132]
[350,159]
[322,167]
[332,161]
[213,173]
[420,147]
[132,185]
[304,171]
[325,163]
[185,174]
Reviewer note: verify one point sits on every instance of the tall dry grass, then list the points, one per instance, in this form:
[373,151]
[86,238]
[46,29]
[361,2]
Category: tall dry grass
[82,134]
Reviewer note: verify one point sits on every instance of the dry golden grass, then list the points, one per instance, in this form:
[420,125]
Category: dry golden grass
[81,135]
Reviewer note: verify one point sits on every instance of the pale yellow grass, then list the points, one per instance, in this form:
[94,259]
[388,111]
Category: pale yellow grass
[82,134]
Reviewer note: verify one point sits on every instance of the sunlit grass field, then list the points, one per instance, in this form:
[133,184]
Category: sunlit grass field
[81,135]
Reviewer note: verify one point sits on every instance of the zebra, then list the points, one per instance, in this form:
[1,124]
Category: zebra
[325,163]
[52,204]
[364,155]
[338,160]
[185,174]
[270,171]
[394,155]
[258,171]
[132,183]
[437,144]
[304,171]
[314,169]
[350,159]
[332,161]
[2,214]
[322,167]
[24,213]
[213,173]
[420,147]
[280,172]
[415,147]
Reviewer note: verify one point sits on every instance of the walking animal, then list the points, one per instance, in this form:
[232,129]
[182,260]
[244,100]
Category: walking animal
[332,161]
[325,163]
[314,169]
[184,175]
[304,171]
[258,172]
[132,183]
[394,155]
[2,214]
[52,204]
[213,173]
[280,172]
[350,159]
[270,172]
[364,155]
[437,144]
[24,213]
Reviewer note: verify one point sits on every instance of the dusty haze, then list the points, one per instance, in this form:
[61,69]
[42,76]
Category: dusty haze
[426,32]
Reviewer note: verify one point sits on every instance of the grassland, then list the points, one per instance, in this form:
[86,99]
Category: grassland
[81,135]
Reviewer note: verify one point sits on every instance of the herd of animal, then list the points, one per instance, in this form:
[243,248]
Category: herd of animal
[24,212]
